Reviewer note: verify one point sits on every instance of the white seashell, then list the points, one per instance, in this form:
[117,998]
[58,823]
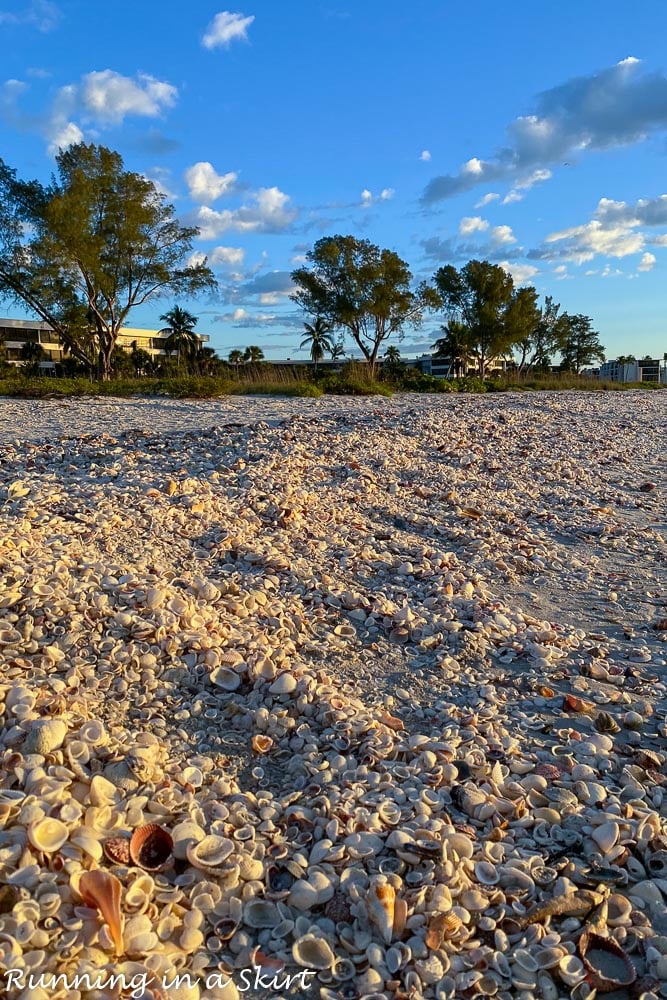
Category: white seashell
[312,952]
[183,834]
[487,873]
[225,678]
[284,683]
[209,852]
[606,835]
[47,834]
[380,905]
[571,970]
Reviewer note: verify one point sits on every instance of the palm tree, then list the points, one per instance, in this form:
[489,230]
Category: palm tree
[253,354]
[235,358]
[455,346]
[318,335]
[31,355]
[337,350]
[392,355]
[181,334]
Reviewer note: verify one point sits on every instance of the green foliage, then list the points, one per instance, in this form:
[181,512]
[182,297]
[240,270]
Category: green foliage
[318,337]
[579,343]
[306,389]
[356,286]
[85,250]
[181,337]
[470,383]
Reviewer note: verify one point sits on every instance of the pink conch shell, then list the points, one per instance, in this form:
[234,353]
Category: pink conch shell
[101,890]
[381,907]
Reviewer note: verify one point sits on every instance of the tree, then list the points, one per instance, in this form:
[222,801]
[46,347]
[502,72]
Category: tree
[318,336]
[181,336]
[31,355]
[87,248]
[491,314]
[141,359]
[579,343]
[235,358]
[456,346]
[539,343]
[253,354]
[356,286]
[337,349]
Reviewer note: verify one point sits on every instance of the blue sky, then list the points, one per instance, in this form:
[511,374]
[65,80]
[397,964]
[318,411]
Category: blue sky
[534,136]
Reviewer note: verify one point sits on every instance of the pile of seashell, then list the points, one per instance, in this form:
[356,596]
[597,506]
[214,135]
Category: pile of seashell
[265,702]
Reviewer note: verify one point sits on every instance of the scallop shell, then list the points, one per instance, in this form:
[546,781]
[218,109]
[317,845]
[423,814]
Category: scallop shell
[260,913]
[151,847]
[608,966]
[48,834]
[101,890]
[261,743]
[210,852]
[225,678]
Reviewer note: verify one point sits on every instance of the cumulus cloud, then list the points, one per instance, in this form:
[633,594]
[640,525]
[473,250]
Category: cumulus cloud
[425,156]
[226,257]
[618,106]
[368,199]
[617,229]
[109,97]
[487,199]
[647,263]
[244,319]
[472,224]
[226,28]
[205,185]
[268,212]
[501,236]
[40,14]
[521,273]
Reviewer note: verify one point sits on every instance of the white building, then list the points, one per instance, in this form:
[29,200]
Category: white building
[14,333]
[644,370]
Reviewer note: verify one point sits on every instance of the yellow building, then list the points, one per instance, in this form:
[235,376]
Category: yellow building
[14,333]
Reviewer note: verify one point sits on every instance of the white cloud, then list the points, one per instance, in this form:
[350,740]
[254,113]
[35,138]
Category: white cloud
[521,273]
[243,318]
[64,135]
[536,177]
[269,212]
[619,106]
[583,243]
[299,258]
[425,156]
[205,185]
[226,256]
[109,97]
[512,196]
[502,235]
[40,14]
[487,199]
[195,259]
[472,224]
[647,263]
[368,198]
[226,28]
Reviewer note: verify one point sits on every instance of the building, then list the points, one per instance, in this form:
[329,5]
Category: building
[644,370]
[442,367]
[14,333]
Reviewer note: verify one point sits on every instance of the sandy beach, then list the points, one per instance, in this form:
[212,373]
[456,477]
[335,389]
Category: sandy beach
[392,673]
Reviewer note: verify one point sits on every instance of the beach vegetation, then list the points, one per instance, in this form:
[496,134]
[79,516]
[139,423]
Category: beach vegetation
[84,250]
[579,344]
[362,290]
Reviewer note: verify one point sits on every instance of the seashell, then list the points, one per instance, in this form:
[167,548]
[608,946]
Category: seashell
[261,743]
[606,835]
[284,683]
[151,847]
[44,736]
[656,864]
[101,890]
[225,678]
[209,852]
[487,873]
[571,970]
[441,927]
[608,966]
[605,723]
[48,834]
[260,913]
[380,905]
[313,952]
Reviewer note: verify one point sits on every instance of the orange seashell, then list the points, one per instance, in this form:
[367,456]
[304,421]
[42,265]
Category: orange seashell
[101,890]
[400,917]
[381,907]
[150,847]
[117,849]
[442,925]
[261,744]
[546,692]
[573,704]
[391,722]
